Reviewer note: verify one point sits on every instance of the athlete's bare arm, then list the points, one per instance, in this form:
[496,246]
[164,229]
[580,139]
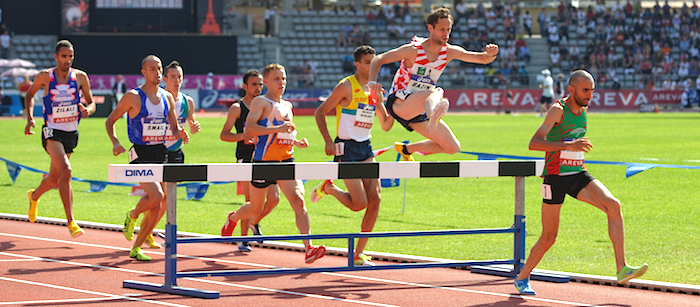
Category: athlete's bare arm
[41,80]
[455,52]
[540,143]
[259,108]
[234,112]
[407,52]
[385,120]
[131,103]
[342,94]
[84,86]
[178,132]
[194,124]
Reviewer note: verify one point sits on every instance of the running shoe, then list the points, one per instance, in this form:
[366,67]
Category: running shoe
[439,110]
[228,228]
[629,272]
[256,231]
[32,206]
[75,230]
[314,253]
[152,242]
[129,225]
[363,260]
[400,147]
[244,247]
[523,286]
[138,254]
[320,190]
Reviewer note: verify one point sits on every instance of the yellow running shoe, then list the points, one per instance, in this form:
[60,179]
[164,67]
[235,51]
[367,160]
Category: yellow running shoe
[32,206]
[129,225]
[75,230]
[138,254]
[400,147]
[152,242]
[363,260]
[320,190]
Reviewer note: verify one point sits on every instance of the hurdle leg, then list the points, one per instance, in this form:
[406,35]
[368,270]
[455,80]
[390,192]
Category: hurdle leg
[170,285]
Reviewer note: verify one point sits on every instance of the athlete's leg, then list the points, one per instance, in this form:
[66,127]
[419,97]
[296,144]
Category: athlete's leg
[60,164]
[417,103]
[273,198]
[355,198]
[372,188]
[294,191]
[550,229]
[442,140]
[245,187]
[596,194]
[254,207]
[149,204]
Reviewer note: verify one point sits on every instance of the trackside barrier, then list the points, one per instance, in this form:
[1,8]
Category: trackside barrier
[173,173]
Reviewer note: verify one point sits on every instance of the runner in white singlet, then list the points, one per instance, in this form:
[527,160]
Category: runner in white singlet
[414,99]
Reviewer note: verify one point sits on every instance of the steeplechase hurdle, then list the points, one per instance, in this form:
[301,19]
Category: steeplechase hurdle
[170,174]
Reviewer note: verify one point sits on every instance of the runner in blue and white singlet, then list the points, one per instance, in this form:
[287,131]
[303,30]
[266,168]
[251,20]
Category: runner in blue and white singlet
[61,103]
[148,127]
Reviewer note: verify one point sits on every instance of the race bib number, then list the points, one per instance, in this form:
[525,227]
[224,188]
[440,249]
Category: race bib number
[420,83]
[340,149]
[571,158]
[364,115]
[48,132]
[132,154]
[153,129]
[284,138]
[169,132]
[64,112]
[546,191]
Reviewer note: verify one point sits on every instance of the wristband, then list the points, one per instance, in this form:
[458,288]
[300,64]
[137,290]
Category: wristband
[371,82]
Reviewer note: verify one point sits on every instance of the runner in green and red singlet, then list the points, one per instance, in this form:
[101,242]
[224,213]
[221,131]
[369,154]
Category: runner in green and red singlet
[563,137]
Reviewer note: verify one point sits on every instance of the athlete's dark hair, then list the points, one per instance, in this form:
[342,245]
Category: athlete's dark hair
[173,64]
[63,43]
[437,14]
[251,73]
[362,50]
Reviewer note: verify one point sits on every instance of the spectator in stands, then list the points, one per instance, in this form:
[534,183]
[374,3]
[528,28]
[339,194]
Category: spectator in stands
[553,37]
[542,19]
[480,10]
[668,63]
[574,55]
[401,32]
[5,43]
[667,85]
[342,40]
[392,30]
[389,13]
[458,76]
[555,58]
[269,14]
[366,36]
[406,13]
[473,24]
[348,63]
[683,67]
[527,23]
[524,75]
[480,71]
[490,21]
[23,87]
[385,73]
[693,69]
[355,36]
[119,89]
[398,11]
[380,17]
[461,10]
[299,75]
[312,69]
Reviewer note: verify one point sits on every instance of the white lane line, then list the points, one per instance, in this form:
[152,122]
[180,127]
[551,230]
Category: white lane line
[281,291]
[106,295]
[197,279]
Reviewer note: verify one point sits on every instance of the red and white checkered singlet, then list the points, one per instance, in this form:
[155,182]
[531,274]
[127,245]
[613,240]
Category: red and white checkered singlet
[423,75]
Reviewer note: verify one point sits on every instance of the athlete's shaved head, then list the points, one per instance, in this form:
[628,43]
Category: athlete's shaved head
[579,75]
[148,58]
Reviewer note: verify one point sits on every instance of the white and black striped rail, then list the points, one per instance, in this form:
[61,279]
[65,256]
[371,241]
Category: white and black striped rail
[221,172]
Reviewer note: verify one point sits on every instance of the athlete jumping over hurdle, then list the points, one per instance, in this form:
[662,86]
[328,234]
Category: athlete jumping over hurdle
[414,100]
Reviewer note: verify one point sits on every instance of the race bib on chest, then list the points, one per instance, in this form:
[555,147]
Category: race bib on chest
[284,138]
[64,112]
[571,158]
[169,132]
[421,81]
[153,129]
[365,115]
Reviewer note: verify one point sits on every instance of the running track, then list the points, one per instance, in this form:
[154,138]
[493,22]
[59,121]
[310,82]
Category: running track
[41,265]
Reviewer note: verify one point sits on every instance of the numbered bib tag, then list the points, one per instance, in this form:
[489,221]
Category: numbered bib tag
[153,129]
[571,158]
[64,112]
[132,154]
[48,132]
[420,83]
[340,149]
[364,115]
[286,138]
[169,132]
[546,191]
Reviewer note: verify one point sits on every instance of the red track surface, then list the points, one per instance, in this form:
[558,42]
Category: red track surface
[41,265]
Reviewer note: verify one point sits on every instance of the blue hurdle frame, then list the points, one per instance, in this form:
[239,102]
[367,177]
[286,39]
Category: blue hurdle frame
[493,267]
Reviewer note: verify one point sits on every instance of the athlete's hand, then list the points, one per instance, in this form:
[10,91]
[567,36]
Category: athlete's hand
[117,149]
[28,129]
[303,143]
[582,144]
[184,136]
[287,127]
[251,141]
[492,49]
[195,126]
[83,111]
[330,148]
[376,87]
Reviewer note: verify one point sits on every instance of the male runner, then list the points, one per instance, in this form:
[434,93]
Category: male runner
[414,100]
[150,109]
[355,106]
[62,113]
[563,137]
[184,110]
[270,120]
[237,115]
